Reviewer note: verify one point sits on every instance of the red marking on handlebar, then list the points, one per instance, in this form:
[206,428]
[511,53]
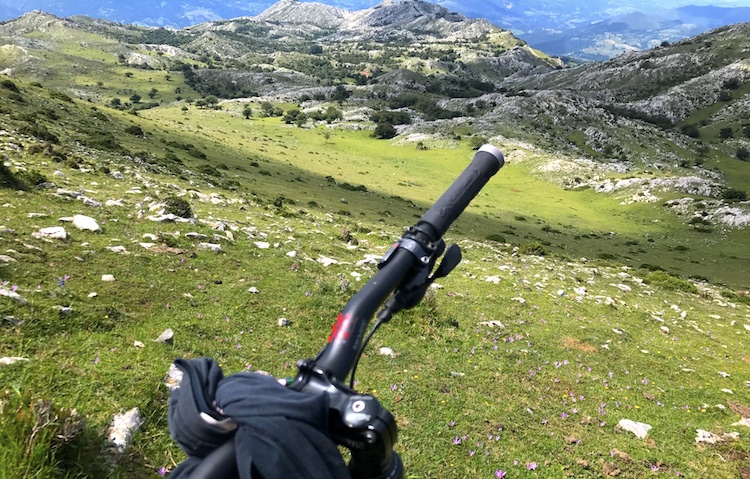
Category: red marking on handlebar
[341,328]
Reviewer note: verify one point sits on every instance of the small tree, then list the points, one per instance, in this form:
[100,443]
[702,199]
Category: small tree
[136,98]
[153,93]
[178,207]
[691,130]
[726,133]
[247,112]
[733,194]
[743,154]
[115,102]
[384,131]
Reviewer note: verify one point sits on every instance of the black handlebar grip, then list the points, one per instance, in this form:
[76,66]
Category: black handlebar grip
[486,162]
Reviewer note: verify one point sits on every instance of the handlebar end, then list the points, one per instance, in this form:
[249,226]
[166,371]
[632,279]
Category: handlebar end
[494,151]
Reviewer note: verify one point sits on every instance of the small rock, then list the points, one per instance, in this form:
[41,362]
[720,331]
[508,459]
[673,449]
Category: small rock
[114,203]
[492,279]
[292,254]
[117,249]
[638,428]
[253,290]
[138,344]
[327,261]
[117,175]
[7,259]
[108,278]
[52,232]
[195,235]
[262,244]
[86,223]
[707,437]
[457,374]
[92,294]
[283,322]
[520,300]
[174,377]
[561,292]
[12,295]
[723,374]
[10,360]
[385,351]
[492,324]
[167,337]
[216,248]
[123,427]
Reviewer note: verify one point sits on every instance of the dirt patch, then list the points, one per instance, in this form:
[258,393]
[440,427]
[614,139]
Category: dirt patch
[741,409]
[574,343]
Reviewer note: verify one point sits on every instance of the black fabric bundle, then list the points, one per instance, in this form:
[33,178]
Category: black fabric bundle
[279,433]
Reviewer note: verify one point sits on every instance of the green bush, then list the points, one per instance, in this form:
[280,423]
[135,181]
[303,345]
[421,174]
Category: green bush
[31,177]
[496,238]
[134,130]
[39,131]
[178,207]
[384,131]
[666,281]
[733,194]
[9,85]
[535,249]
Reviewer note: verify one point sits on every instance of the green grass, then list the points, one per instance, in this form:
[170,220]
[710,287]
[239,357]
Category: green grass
[451,377]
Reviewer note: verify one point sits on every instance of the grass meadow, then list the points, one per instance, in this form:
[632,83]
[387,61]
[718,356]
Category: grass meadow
[518,365]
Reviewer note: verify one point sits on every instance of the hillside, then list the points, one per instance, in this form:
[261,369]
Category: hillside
[218,227]
[232,184]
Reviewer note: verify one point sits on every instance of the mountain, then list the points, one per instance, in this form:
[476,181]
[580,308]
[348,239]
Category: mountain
[633,31]
[651,126]
[585,29]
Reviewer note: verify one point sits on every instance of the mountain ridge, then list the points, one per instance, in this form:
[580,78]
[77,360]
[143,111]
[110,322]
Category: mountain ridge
[555,29]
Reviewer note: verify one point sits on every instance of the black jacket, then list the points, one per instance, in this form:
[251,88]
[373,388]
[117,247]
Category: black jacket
[279,433]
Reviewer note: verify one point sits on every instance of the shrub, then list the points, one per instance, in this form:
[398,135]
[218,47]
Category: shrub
[134,130]
[40,132]
[178,207]
[666,281]
[691,131]
[496,238]
[733,194]
[384,131]
[209,170]
[9,85]
[743,154]
[8,179]
[31,177]
[532,249]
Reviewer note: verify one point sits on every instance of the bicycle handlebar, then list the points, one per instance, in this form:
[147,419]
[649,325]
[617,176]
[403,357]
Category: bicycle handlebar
[338,356]
[486,162]
[405,267]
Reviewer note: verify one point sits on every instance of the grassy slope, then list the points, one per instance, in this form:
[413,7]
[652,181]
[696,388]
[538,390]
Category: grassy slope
[448,367]
[512,383]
